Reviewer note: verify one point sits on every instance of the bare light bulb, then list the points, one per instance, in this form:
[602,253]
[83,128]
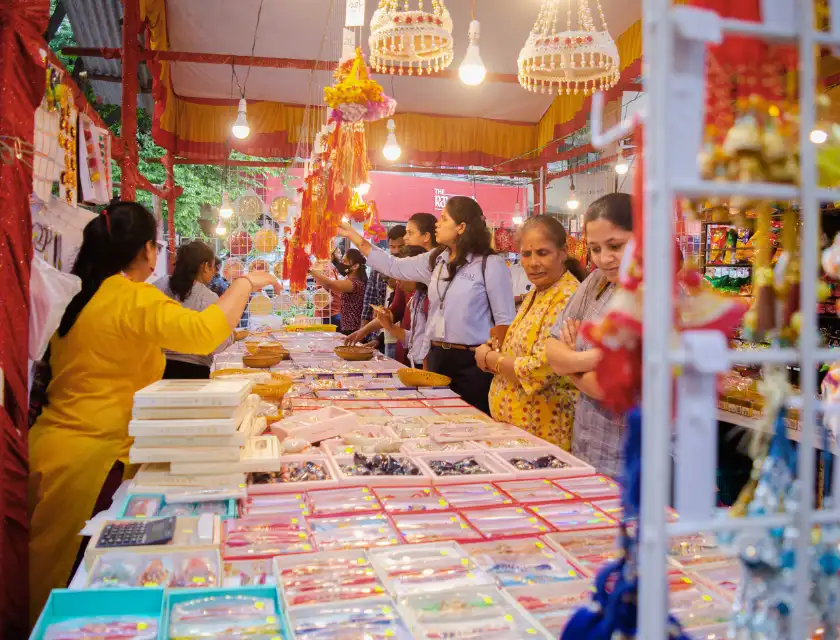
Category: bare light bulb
[472,71]
[572,203]
[621,167]
[240,128]
[363,189]
[818,136]
[226,210]
[517,220]
[391,150]
[221,229]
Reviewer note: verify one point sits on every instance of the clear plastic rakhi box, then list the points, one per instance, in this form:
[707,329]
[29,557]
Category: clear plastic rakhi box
[367,619]
[507,522]
[456,468]
[187,569]
[327,577]
[248,573]
[380,469]
[410,499]
[473,495]
[437,526]
[358,531]
[468,613]
[345,500]
[553,604]
[133,614]
[512,441]
[269,504]
[591,487]
[544,462]
[590,549]
[215,613]
[572,516]
[295,472]
[425,568]
[523,562]
[262,537]
[534,491]
[429,445]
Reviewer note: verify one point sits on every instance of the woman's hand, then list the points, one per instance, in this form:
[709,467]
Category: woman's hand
[354,338]
[259,280]
[481,357]
[346,230]
[385,318]
[569,333]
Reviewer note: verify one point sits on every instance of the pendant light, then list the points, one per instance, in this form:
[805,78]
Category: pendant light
[226,210]
[240,128]
[621,166]
[391,150]
[472,71]
[221,229]
[572,203]
[517,213]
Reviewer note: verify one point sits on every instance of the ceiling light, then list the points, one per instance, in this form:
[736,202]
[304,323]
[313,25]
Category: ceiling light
[818,136]
[621,167]
[363,189]
[226,210]
[240,128]
[221,229]
[472,71]
[572,203]
[517,220]
[391,150]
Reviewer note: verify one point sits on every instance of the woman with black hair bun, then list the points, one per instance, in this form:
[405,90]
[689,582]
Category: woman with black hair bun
[351,289]
[195,268]
[109,345]
[470,294]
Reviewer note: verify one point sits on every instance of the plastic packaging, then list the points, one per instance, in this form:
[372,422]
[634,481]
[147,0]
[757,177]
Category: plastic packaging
[506,521]
[322,578]
[534,491]
[353,532]
[516,563]
[348,500]
[572,515]
[373,620]
[111,627]
[228,616]
[410,499]
[472,495]
[50,291]
[246,573]
[433,527]
[591,487]
[261,537]
[180,569]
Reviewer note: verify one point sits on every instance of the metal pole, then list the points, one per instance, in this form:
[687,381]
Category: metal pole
[657,317]
[543,208]
[130,64]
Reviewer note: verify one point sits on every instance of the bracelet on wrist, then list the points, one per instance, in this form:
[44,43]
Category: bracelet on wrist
[498,368]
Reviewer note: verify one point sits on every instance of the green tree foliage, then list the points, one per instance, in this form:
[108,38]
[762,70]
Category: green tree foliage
[202,184]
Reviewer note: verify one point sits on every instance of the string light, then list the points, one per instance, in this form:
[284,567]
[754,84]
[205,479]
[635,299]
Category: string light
[391,150]
[472,71]
[240,128]
[572,203]
[226,210]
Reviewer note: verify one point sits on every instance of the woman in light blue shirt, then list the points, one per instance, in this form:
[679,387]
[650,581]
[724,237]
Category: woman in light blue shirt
[470,294]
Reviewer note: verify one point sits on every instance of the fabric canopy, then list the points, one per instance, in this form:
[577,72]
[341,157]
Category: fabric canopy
[196,102]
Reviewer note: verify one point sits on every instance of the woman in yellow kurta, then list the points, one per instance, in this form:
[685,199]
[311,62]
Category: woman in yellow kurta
[109,345]
[525,392]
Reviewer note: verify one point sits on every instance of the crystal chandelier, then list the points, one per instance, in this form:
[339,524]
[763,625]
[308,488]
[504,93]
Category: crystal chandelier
[579,59]
[407,42]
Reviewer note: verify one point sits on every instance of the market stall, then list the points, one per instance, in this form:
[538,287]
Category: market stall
[396,509]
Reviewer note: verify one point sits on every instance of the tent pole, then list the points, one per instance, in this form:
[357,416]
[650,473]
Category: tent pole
[169,187]
[130,64]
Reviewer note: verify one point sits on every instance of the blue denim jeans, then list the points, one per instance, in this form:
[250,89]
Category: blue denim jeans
[391,350]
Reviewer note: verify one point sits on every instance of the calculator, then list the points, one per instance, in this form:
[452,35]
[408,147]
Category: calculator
[137,534]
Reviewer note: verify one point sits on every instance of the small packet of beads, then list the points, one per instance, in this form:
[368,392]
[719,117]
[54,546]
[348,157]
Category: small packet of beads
[116,627]
[143,506]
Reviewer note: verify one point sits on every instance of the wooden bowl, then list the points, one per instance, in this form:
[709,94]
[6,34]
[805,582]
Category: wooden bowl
[354,354]
[274,390]
[421,378]
[267,348]
[261,361]
[222,373]
[240,334]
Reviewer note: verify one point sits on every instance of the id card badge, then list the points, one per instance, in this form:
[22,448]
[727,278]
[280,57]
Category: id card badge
[439,326]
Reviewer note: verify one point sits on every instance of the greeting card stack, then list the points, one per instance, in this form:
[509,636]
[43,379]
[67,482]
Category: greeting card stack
[199,434]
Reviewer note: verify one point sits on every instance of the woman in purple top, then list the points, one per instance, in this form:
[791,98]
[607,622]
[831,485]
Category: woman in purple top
[470,294]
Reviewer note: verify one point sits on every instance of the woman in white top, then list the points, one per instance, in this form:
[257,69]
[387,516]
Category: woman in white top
[195,268]
[411,331]
[470,294]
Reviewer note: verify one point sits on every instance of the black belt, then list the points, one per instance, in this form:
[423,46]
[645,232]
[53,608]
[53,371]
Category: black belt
[459,347]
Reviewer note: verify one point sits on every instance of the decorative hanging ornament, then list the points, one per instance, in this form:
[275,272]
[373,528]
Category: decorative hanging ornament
[249,207]
[407,42]
[279,208]
[266,240]
[240,243]
[581,59]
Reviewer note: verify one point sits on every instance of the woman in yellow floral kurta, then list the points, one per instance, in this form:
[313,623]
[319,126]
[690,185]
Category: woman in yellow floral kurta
[525,392]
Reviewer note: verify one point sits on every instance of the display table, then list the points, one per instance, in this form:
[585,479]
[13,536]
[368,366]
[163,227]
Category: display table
[465,527]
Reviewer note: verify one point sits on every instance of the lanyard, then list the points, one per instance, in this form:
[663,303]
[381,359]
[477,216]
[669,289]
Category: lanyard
[448,286]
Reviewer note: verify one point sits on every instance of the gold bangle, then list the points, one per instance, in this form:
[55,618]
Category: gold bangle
[498,368]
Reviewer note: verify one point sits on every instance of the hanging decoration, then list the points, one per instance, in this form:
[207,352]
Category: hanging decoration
[279,209]
[233,269]
[94,162]
[239,243]
[405,41]
[48,155]
[249,206]
[265,240]
[67,139]
[373,227]
[580,59]
[337,167]
[258,265]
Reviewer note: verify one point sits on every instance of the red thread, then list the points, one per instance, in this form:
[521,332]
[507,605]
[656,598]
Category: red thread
[107,215]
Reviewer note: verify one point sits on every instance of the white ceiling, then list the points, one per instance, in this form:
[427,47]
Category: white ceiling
[295,29]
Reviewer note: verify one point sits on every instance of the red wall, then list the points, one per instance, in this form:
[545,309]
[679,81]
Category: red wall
[399,196]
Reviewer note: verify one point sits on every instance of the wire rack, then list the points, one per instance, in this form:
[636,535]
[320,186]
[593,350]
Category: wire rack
[662,187]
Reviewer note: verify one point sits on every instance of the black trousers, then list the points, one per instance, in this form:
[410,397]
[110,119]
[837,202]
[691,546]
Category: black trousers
[177,370]
[468,381]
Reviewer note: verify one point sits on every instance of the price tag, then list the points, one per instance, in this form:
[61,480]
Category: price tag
[348,40]
[355,16]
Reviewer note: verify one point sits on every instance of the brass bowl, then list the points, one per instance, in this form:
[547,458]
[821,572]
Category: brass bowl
[240,334]
[261,361]
[420,378]
[354,354]
[267,349]
[276,389]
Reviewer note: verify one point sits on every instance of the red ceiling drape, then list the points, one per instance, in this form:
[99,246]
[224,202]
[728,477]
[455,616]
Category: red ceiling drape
[21,87]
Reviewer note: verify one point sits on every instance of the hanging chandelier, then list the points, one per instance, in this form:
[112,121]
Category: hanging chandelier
[581,59]
[408,42]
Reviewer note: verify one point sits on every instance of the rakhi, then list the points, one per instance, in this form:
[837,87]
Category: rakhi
[465,634]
